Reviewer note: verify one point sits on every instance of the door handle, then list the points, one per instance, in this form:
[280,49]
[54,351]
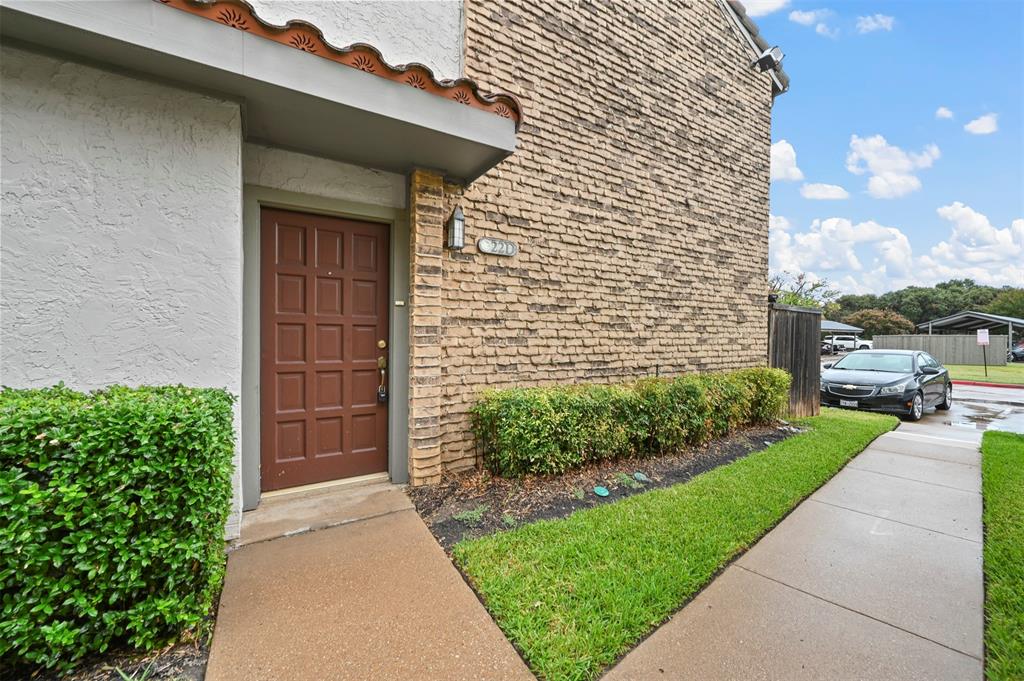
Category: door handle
[382,391]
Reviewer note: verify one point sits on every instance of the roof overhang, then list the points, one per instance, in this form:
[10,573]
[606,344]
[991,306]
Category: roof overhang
[290,98]
[735,10]
[971,321]
[829,326]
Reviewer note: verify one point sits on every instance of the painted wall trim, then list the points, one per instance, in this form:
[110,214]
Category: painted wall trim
[304,36]
[253,198]
[293,99]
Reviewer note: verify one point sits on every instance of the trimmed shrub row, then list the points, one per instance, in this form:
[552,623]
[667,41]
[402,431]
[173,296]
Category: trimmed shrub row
[112,513]
[549,430]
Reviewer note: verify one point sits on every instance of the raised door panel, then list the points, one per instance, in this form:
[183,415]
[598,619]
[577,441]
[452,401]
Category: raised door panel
[323,310]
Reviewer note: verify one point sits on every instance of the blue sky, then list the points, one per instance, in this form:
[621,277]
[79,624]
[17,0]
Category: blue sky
[930,194]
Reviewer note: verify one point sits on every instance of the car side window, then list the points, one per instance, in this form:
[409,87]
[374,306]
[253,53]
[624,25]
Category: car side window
[931,361]
[921,361]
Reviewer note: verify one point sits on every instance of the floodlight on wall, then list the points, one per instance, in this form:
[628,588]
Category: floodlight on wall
[769,59]
[456,230]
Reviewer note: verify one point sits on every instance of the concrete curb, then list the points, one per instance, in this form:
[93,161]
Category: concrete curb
[989,385]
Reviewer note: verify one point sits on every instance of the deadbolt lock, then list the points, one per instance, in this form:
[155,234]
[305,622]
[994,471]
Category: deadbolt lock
[382,344]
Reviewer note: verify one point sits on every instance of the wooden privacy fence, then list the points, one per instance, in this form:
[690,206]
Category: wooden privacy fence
[961,349]
[794,344]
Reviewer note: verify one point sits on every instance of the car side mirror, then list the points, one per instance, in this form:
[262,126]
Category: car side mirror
[827,365]
[931,371]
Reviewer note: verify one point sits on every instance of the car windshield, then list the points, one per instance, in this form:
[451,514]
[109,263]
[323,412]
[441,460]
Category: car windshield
[863,361]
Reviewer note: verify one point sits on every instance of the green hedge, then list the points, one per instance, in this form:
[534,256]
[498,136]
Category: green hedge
[112,513]
[550,430]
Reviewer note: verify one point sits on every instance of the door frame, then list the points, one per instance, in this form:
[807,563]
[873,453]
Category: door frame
[254,198]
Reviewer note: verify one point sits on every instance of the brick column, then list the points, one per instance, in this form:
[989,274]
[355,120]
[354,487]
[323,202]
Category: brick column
[426,235]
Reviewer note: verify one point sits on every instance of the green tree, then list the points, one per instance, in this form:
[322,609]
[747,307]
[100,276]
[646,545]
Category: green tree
[1008,302]
[850,303]
[880,322]
[803,291]
[916,303]
[921,303]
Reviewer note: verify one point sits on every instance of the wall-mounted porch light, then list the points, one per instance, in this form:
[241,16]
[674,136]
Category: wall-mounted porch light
[769,59]
[456,230]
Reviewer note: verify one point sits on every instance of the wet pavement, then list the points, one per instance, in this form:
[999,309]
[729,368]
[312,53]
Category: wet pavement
[876,576]
[979,408]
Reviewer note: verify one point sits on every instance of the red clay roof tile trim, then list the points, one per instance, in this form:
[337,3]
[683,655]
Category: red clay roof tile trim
[302,35]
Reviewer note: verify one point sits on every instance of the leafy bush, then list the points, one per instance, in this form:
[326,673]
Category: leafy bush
[880,322]
[112,513]
[550,430]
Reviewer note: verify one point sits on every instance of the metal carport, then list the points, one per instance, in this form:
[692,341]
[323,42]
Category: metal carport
[970,320]
[828,326]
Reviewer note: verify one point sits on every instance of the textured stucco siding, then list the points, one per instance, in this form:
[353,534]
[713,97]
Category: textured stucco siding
[304,174]
[121,258]
[428,32]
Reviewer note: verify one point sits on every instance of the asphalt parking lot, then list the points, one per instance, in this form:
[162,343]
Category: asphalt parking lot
[978,408]
[975,409]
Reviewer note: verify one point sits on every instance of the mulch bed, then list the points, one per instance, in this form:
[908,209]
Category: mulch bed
[472,504]
[181,662]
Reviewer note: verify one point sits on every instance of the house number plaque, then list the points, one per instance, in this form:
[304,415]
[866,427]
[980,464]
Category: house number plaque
[493,246]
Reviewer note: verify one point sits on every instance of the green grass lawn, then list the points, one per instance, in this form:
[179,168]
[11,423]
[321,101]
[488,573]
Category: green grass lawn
[1011,373]
[576,593]
[1002,474]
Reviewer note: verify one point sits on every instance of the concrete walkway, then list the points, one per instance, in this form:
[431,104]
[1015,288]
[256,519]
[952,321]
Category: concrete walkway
[877,576]
[374,597]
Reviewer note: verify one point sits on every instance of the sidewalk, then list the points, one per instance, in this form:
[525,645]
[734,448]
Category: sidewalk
[375,598]
[877,576]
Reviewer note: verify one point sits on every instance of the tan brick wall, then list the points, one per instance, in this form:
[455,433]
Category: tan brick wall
[638,196]
[426,312]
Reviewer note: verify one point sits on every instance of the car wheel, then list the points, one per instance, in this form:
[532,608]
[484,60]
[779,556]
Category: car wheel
[947,399]
[864,347]
[916,408]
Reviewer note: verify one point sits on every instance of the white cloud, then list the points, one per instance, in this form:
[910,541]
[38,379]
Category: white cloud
[783,163]
[823,192]
[943,112]
[875,22]
[808,18]
[891,169]
[830,245]
[983,125]
[758,8]
[777,222]
[823,29]
[816,18]
[975,241]
[868,257]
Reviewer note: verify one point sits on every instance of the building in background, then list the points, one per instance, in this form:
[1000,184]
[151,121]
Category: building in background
[264,196]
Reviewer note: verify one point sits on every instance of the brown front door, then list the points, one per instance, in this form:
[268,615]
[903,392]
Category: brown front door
[323,314]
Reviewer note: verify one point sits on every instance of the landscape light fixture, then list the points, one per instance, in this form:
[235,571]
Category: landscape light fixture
[457,230]
[769,59]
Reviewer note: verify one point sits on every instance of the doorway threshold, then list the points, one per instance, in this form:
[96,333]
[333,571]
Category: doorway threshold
[317,507]
[326,486]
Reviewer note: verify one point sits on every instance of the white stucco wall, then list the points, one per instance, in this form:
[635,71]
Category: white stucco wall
[121,253]
[293,172]
[425,31]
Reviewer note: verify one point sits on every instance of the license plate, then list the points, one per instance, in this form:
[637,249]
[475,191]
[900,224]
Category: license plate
[848,403]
